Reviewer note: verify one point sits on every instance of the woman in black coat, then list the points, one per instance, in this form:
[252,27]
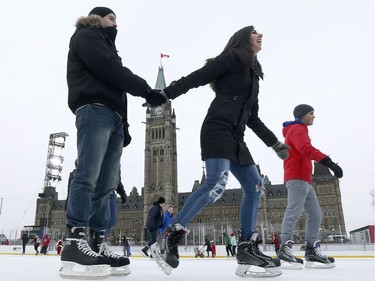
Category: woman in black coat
[234,76]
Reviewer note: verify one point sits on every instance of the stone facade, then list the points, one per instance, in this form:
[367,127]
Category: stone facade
[222,216]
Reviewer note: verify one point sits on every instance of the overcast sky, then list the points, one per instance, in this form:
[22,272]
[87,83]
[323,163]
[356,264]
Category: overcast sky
[314,51]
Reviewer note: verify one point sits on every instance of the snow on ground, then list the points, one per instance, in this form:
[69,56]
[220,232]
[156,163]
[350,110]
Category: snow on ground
[46,268]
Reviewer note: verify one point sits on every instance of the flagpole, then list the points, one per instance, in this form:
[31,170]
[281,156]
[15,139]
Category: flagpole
[161,58]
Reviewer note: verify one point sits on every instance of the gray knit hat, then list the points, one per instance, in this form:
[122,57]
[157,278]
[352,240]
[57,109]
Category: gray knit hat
[301,110]
[101,11]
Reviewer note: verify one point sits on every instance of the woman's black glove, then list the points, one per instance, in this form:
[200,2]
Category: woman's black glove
[154,98]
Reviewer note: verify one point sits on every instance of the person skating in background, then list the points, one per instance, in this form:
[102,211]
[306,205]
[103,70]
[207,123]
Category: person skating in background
[208,246]
[154,223]
[167,218]
[45,243]
[59,246]
[25,241]
[36,243]
[126,245]
[276,242]
[233,241]
[234,77]
[301,194]
[98,84]
[228,245]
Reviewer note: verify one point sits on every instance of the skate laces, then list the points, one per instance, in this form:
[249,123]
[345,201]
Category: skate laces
[84,247]
[105,251]
[254,245]
[318,252]
[288,249]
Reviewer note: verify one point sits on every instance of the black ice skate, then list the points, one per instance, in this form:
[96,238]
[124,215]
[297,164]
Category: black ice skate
[287,258]
[315,259]
[253,263]
[80,261]
[165,250]
[144,251]
[119,264]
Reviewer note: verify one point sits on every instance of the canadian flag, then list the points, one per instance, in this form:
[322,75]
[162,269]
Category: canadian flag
[164,56]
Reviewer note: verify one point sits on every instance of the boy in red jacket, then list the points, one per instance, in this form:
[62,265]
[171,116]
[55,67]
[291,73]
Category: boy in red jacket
[301,194]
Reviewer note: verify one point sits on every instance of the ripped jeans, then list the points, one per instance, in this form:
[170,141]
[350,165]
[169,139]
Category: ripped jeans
[249,178]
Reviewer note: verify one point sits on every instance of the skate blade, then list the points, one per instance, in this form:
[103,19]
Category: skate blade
[290,265]
[120,271]
[71,270]
[319,265]
[252,271]
[157,256]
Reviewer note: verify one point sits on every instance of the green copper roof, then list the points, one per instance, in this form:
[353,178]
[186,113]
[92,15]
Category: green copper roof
[160,80]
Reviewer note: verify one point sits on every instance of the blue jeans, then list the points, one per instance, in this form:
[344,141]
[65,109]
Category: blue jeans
[249,178]
[100,139]
[112,212]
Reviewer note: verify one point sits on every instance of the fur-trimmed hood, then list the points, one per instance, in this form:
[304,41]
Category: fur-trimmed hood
[92,20]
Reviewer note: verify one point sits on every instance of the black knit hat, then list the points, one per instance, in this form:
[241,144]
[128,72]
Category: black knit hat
[101,11]
[161,200]
[301,110]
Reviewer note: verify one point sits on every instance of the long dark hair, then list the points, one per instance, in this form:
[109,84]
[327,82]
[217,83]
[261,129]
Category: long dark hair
[239,44]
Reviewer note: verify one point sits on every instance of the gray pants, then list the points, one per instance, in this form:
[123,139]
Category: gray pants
[301,197]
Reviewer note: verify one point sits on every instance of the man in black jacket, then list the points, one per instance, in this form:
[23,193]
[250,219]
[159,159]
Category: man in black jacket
[154,223]
[98,84]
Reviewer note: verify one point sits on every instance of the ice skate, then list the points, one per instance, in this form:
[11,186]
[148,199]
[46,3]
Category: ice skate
[80,261]
[165,250]
[287,258]
[119,264]
[315,259]
[253,263]
[144,251]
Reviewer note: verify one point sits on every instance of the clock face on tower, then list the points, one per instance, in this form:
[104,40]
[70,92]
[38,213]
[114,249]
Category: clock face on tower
[158,111]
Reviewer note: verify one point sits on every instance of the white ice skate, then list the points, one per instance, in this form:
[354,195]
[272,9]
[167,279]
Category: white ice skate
[165,250]
[72,270]
[159,256]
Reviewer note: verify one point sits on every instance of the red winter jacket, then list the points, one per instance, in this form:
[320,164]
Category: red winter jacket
[298,165]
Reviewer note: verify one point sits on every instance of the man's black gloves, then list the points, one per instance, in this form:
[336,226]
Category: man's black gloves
[121,191]
[281,149]
[327,161]
[154,98]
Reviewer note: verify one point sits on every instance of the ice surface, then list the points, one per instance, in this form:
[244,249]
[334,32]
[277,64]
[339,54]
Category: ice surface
[46,268]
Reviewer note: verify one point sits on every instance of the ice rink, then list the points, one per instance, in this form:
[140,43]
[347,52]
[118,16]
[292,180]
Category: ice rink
[46,268]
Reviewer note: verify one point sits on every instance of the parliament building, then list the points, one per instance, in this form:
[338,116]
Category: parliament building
[160,179]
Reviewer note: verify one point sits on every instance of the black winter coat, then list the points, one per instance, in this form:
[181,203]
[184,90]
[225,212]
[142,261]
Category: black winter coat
[95,73]
[235,105]
[155,217]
